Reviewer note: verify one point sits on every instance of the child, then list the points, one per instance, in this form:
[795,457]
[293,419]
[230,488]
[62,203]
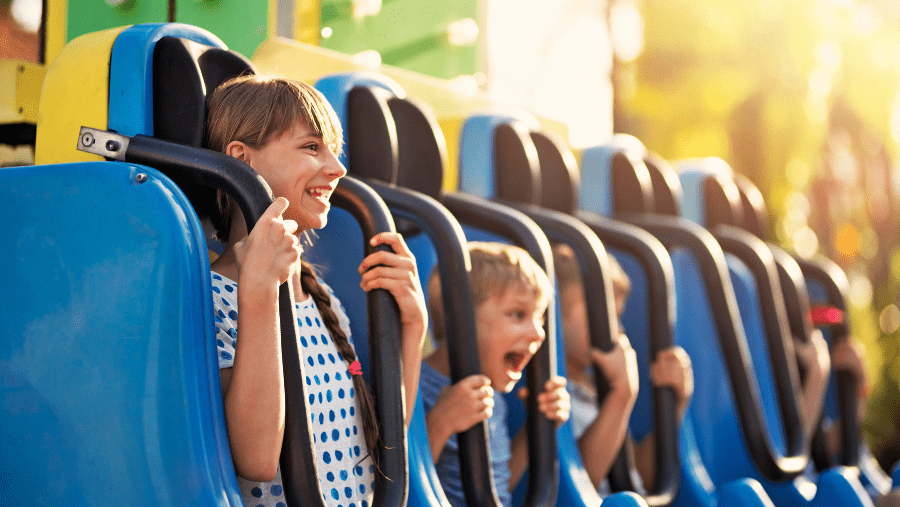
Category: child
[601,431]
[511,296]
[289,134]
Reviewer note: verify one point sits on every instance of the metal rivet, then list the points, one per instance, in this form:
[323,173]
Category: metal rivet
[140,177]
[112,145]
[87,139]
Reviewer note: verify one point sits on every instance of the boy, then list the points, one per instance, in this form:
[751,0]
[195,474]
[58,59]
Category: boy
[511,296]
[601,431]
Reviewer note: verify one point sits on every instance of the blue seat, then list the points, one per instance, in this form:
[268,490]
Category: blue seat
[615,175]
[361,101]
[159,77]
[651,273]
[708,190]
[823,282]
[109,361]
[498,160]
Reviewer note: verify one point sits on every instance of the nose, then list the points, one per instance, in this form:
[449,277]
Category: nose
[535,332]
[333,166]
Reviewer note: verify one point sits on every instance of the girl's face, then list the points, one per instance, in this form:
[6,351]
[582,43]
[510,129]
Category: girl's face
[300,167]
[510,327]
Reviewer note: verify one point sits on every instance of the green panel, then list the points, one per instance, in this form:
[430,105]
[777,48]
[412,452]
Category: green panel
[407,33]
[86,16]
[241,24]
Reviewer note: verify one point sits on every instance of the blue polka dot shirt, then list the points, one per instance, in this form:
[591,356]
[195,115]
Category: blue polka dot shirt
[337,427]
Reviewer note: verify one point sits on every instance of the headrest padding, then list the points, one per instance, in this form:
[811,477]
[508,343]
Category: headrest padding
[516,165]
[423,151]
[371,136]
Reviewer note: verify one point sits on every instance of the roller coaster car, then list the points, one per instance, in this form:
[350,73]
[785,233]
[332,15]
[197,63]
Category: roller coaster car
[109,362]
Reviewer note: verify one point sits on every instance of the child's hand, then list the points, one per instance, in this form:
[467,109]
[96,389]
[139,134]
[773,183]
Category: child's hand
[462,405]
[554,402]
[672,368]
[269,253]
[813,357]
[847,355]
[397,273]
[619,366]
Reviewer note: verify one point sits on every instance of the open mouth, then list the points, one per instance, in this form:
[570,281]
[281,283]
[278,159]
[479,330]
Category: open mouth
[320,193]
[515,361]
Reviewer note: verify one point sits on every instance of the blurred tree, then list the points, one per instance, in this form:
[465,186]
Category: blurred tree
[803,97]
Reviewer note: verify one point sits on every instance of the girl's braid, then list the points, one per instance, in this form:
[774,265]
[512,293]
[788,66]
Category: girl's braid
[311,286]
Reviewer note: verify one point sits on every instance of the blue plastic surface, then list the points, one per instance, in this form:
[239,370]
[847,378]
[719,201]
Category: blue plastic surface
[131,73]
[336,88]
[725,456]
[109,372]
[476,150]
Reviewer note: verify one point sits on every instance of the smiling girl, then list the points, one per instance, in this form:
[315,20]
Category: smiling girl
[288,133]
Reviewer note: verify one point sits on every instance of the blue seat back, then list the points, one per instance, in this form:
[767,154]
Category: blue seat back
[697,179]
[478,176]
[607,171]
[604,169]
[424,485]
[109,363]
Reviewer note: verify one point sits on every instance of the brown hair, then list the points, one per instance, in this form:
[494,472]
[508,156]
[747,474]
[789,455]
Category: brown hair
[568,274]
[495,267]
[257,110]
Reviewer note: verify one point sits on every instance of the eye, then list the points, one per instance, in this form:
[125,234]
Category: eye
[311,146]
[517,314]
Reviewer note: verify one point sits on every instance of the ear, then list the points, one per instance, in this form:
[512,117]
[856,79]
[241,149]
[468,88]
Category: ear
[238,150]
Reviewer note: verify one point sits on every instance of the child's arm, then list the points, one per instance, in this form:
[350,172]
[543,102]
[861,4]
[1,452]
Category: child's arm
[671,368]
[555,404]
[847,355]
[601,441]
[396,272]
[813,356]
[458,407]
[253,389]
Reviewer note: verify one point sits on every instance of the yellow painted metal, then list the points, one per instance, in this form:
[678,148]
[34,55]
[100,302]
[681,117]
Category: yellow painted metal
[55,28]
[75,94]
[21,82]
[307,21]
[308,63]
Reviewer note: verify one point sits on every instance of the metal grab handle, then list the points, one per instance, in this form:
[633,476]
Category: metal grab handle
[673,231]
[656,262]
[453,266]
[758,258]
[385,369]
[836,286]
[543,471]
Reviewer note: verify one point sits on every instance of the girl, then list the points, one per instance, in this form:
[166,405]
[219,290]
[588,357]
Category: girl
[289,134]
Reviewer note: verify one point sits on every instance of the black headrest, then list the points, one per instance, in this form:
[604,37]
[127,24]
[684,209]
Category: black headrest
[723,202]
[666,185]
[560,180]
[184,74]
[423,150]
[632,188]
[756,216]
[371,136]
[518,171]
